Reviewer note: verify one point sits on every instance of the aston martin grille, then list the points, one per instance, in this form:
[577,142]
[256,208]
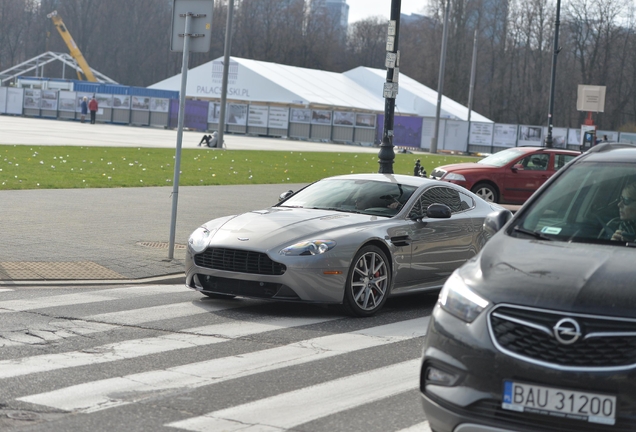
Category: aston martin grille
[530,333]
[239,261]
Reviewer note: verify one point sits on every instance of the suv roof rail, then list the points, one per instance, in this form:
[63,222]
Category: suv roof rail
[609,146]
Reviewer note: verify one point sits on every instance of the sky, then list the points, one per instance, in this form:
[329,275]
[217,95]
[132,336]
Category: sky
[361,9]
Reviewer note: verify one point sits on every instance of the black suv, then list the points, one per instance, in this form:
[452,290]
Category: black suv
[538,331]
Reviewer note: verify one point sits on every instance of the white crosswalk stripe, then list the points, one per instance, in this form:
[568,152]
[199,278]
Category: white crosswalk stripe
[187,338]
[5,289]
[245,344]
[99,395]
[291,409]
[84,298]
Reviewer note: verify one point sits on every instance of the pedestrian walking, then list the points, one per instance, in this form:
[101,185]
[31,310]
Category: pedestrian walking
[84,109]
[93,106]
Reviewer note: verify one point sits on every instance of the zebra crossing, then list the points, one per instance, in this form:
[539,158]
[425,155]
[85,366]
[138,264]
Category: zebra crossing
[281,368]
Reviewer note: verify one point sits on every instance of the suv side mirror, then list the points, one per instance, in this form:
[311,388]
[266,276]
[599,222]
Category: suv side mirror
[496,220]
[438,211]
[285,195]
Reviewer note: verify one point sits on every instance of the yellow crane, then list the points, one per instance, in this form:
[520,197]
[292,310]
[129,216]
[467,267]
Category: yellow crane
[72,46]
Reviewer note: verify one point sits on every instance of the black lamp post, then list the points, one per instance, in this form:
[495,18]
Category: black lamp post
[386,155]
[548,139]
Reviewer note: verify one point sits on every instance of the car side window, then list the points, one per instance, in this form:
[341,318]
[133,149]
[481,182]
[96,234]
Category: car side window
[441,195]
[560,160]
[466,202]
[535,162]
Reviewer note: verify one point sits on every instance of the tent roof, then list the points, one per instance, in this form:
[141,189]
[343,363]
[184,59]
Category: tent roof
[357,89]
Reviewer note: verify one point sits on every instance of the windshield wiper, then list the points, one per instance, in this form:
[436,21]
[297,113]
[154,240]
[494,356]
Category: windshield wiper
[336,209]
[535,234]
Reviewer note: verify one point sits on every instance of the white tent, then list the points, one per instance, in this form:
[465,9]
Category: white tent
[359,89]
[414,98]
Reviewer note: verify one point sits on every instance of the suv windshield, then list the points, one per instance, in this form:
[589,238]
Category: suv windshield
[354,196]
[501,158]
[589,203]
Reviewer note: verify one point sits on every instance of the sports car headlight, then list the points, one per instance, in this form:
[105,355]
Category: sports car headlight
[453,176]
[311,247]
[458,300]
[199,239]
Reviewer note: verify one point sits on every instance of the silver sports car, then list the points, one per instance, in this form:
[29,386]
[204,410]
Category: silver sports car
[352,240]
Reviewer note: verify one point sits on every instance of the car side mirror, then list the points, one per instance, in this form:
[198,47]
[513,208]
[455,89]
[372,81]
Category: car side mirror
[496,220]
[517,167]
[285,195]
[438,211]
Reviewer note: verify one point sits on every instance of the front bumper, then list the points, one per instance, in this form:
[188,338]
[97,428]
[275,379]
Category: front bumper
[466,350]
[303,280]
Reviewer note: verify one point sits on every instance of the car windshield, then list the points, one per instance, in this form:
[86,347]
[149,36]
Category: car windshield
[589,203]
[353,196]
[501,158]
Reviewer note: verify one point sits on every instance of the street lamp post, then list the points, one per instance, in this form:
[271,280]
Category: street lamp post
[386,155]
[440,79]
[226,71]
[548,139]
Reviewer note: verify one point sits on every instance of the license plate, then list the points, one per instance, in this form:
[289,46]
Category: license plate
[576,405]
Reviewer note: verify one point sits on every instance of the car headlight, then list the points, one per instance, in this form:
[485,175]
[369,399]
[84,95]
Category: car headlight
[200,239]
[311,247]
[458,300]
[454,176]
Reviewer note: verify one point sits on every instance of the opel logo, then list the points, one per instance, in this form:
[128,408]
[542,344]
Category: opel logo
[242,238]
[567,331]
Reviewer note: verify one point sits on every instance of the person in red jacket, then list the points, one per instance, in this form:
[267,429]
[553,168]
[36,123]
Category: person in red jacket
[92,107]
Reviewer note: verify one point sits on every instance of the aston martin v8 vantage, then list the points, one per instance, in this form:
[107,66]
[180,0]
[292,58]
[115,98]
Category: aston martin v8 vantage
[352,240]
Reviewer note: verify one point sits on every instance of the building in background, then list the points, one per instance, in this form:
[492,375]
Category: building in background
[336,10]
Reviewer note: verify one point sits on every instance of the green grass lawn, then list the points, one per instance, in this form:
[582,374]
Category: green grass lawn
[65,167]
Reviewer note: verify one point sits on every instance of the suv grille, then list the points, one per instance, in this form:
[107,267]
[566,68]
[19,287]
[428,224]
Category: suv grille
[529,333]
[239,261]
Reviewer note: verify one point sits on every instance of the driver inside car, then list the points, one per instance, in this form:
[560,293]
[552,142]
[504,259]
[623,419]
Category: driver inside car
[626,230]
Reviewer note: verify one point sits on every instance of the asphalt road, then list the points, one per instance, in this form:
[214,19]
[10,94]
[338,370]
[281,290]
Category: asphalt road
[161,357]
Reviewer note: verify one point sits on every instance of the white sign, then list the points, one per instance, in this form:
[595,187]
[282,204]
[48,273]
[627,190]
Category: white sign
[278,118]
[104,100]
[574,137]
[140,103]
[3,100]
[590,98]
[365,121]
[481,133]
[159,105]
[49,100]
[67,101]
[214,112]
[121,101]
[559,136]
[341,118]
[627,137]
[505,135]
[32,98]
[14,100]
[321,117]
[455,136]
[258,116]
[237,114]
[530,135]
[300,115]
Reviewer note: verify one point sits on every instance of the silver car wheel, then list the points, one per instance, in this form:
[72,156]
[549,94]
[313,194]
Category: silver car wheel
[369,282]
[485,192]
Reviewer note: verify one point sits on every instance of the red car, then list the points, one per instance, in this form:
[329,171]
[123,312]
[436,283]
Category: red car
[509,176]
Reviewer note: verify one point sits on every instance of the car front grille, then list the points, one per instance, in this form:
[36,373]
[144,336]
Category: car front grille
[529,334]
[239,261]
[437,174]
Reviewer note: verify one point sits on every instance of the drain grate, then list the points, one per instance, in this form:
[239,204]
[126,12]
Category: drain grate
[56,270]
[160,245]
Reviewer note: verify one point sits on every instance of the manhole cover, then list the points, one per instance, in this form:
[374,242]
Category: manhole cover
[160,245]
[23,415]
